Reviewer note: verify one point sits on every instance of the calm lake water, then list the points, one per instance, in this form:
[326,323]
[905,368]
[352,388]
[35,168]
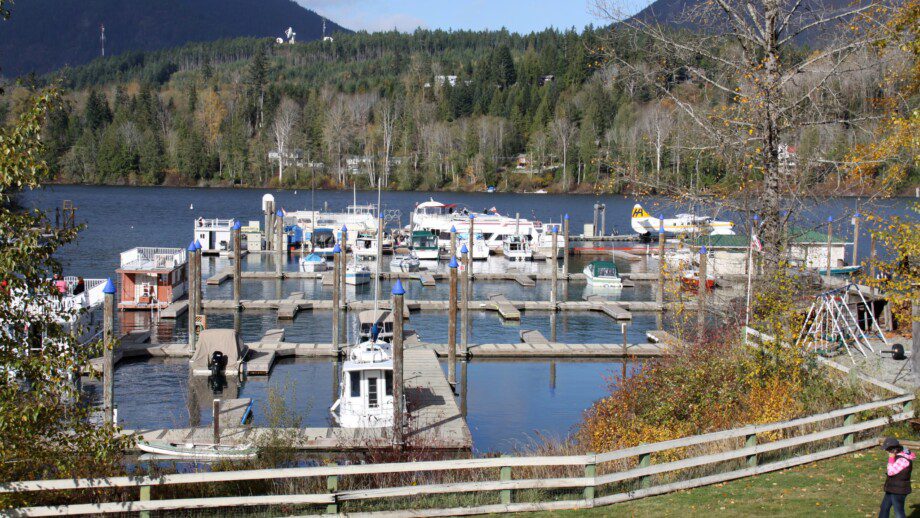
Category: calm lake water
[509,403]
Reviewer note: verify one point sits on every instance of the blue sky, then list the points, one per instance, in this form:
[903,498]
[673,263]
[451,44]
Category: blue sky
[516,15]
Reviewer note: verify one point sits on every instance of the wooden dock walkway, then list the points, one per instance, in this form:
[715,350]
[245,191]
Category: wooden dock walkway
[427,279]
[534,338]
[525,280]
[136,344]
[436,420]
[235,412]
[506,309]
[221,276]
[443,276]
[174,310]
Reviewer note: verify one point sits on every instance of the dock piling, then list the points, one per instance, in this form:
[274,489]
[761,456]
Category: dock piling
[452,325]
[343,289]
[465,301]
[237,263]
[108,358]
[453,241]
[192,304]
[215,411]
[279,243]
[198,294]
[336,270]
[855,239]
[554,261]
[872,259]
[565,248]
[659,297]
[398,412]
[703,292]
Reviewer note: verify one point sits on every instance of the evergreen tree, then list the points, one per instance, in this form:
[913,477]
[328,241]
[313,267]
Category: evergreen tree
[503,71]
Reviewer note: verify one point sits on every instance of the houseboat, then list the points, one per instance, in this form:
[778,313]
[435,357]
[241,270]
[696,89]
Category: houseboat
[215,235]
[366,390]
[425,245]
[151,278]
[517,248]
[603,274]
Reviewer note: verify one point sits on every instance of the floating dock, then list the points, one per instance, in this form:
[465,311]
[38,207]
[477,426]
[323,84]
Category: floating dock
[435,419]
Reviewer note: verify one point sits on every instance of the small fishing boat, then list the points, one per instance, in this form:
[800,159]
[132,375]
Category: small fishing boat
[691,280]
[404,260]
[356,274]
[841,270]
[313,263]
[603,274]
[425,245]
[322,241]
[516,248]
[198,451]
[366,246]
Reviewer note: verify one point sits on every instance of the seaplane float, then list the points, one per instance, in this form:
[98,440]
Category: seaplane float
[645,225]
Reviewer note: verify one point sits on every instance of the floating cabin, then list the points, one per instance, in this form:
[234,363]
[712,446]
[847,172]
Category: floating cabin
[151,278]
[808,248]
[215,235]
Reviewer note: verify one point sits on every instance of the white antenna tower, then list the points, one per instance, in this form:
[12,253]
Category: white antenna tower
[324,28]
[102,37]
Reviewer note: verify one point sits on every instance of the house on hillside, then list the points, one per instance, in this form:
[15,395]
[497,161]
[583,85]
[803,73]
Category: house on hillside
[291,157]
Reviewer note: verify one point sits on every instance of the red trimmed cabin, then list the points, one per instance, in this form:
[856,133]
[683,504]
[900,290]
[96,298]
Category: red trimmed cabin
[151,278]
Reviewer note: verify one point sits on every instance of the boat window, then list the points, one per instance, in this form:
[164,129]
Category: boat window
[388,376]
[355,382]
[372,393]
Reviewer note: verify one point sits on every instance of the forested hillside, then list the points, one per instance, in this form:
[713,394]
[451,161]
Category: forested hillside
[44,35]
[432,109]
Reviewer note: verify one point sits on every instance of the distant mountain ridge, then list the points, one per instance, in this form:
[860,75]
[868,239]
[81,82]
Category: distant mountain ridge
[44,35]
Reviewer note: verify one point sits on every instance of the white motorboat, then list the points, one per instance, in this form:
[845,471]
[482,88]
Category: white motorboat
[322,241]
[425,245]
[516,248]
[366,390]
[356,274]
[603,274]
[365,246]
[479,250]
[198,451]
[404,260]
[313,263]
[438,217]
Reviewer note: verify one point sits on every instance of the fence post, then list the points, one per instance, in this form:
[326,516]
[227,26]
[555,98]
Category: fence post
[590,472]
[645,460]
[749,442]
[506,493]
[847,421]
[145,497]
[332,485]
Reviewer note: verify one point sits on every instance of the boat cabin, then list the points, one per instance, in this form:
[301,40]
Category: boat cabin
[383,319]
[151,278]
[215,235]
[322,241]
[366,391]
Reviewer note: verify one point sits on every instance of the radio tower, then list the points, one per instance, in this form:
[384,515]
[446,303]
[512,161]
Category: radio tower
[102,37]
[324,29]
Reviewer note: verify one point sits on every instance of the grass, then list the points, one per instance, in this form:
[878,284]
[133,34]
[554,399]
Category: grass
[850,485]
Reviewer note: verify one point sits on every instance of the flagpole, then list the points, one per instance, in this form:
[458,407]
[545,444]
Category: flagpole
[747,309]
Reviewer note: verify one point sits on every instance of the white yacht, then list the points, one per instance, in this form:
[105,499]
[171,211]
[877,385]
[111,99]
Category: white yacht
[357,218]
[517,248]
[366,390]
[365,246]
[494,227]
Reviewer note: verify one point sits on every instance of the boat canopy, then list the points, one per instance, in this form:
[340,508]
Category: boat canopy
[225,341]
[605,269]
[314,258]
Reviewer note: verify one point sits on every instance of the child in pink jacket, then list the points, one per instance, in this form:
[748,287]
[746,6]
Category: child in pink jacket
[897,485]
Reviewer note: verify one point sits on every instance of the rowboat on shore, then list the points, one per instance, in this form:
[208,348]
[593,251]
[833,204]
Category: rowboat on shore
[198,451]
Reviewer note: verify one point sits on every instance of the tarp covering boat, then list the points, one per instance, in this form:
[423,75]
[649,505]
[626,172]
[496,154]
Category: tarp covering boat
[218,351]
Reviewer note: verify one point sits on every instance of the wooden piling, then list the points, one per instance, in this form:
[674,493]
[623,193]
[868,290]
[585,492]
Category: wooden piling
[199,296]
[237,263]
[554,261]
[192,304]
[269,210]
[343,289]
[215,411]
[279,243]
[398,411]
[703,291]
[659,297]
[465,301]
[453,241]
[565,248]
[830,237]
[336,270]
[452,325]
[108,355]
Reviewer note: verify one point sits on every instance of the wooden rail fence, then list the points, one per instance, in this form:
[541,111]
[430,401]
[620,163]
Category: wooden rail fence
[831,440]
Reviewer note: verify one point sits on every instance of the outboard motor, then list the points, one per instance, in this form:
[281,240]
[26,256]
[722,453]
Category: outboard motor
[217,363]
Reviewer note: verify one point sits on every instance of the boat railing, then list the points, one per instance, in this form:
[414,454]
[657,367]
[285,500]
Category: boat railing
[213,224]
[152,258]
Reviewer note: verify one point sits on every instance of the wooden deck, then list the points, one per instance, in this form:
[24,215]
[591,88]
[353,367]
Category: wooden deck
[435,419]
[175,310]
[221,276]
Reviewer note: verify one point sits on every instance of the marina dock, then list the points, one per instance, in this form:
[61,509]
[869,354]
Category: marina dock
[435,419]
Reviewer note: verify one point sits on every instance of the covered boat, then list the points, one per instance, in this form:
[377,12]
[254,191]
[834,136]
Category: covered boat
[404,260]
[425,245]
[313,263]
[603,274]
[218,351]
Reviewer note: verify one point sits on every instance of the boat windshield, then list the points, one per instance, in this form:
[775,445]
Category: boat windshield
[424,240]
[605,271]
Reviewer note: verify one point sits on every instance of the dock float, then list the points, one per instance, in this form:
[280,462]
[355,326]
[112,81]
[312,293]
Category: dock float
[506,309]
[235,412]
[136,344]
[662,337]
[426,279]
[525,280]
[174,310]
[534,338]
[220,277]
[436,422]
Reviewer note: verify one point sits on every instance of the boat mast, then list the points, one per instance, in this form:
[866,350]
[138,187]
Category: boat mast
[379,249]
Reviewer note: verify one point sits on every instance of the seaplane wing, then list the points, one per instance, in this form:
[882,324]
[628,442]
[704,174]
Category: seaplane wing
[643,223]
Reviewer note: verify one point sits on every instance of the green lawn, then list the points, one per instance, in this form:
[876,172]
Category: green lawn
[845,486]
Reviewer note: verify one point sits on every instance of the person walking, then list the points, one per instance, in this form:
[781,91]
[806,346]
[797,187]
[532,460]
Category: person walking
[897,485]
